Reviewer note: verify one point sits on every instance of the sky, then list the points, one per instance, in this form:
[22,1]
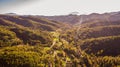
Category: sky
[58,7]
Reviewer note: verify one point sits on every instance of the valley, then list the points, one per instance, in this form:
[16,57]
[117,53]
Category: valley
[60,41]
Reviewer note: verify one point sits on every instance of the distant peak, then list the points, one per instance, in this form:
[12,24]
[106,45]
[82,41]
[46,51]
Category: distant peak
[74,13]
[11,14]
[94,14]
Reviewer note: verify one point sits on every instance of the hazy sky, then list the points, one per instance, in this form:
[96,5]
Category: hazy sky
[58,7]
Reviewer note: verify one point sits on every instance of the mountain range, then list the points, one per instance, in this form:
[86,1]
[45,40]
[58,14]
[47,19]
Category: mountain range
[56,40]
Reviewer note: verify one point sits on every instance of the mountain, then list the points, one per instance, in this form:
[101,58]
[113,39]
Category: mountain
[30,29]
[31,22]
[65,18]
[60,41]
[100,32]
[103,26]
[73,19]
[96,33]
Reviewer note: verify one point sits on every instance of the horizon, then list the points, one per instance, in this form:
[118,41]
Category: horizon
[55,15]
[58,7]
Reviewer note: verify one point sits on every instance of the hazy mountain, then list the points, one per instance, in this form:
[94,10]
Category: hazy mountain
[112,16]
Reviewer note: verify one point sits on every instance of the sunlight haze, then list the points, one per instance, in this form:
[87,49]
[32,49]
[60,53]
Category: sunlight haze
[58,7]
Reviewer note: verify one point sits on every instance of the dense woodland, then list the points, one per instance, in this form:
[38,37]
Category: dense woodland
[53,41]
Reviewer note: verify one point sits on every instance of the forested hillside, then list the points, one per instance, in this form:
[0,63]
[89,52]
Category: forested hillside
[63,41]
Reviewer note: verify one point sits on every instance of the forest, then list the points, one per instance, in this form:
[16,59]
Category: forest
[60,41]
